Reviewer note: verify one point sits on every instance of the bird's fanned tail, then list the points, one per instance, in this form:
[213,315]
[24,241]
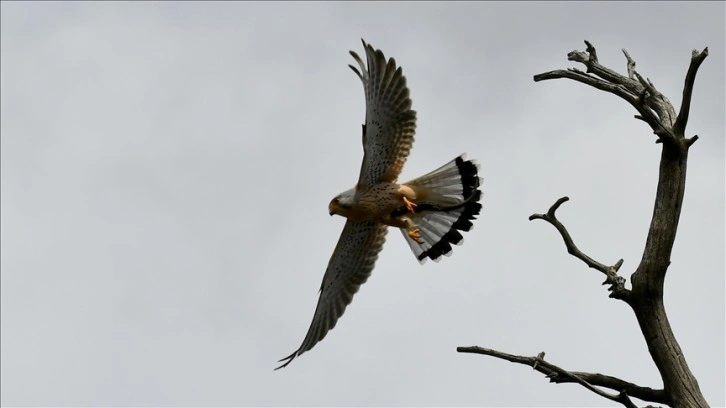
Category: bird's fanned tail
[449,201]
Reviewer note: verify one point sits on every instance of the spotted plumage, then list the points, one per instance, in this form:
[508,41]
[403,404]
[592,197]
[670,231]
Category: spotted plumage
[429,210]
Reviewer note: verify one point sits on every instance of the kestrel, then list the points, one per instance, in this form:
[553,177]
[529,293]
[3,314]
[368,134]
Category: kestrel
[429,210]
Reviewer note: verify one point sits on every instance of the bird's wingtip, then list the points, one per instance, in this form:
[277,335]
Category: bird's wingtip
[287,360]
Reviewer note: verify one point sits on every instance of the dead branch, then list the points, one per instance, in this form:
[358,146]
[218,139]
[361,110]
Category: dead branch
[652,106]
[616,282]
[551,371]
[682,120]
[614,383]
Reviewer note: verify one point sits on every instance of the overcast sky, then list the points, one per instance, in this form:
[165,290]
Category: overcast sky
[166,170]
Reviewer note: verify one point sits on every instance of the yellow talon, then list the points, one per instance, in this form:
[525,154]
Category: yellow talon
[410,205]
[415,235]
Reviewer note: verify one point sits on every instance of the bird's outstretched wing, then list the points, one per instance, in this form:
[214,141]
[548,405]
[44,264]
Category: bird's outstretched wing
[390,123]
[349,267]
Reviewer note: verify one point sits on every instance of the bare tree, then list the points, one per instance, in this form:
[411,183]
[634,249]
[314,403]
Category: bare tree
[680,388]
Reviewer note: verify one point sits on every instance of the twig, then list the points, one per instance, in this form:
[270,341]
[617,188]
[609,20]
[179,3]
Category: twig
[653,107]
[631,64]
[624,91]
[590,60]
[659,103]
[696,59]
[551,371]
[591,50]
[616,282]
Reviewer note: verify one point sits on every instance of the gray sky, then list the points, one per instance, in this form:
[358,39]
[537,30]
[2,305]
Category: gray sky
[166,170]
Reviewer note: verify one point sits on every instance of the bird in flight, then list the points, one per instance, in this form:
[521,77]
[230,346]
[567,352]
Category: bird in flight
[429,210]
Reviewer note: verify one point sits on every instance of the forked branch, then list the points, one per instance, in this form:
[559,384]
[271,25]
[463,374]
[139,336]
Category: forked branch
[653,107]
[616,282]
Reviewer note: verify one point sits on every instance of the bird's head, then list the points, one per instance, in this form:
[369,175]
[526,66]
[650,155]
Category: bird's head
[342,203]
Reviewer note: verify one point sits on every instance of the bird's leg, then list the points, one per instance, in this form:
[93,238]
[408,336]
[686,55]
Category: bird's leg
[413,231]
[410,205]
[405,223]
[415,234]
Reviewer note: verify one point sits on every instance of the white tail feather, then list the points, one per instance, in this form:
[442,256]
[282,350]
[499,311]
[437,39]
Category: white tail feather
[455,184]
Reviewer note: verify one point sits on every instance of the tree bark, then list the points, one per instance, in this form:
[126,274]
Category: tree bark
[648,280]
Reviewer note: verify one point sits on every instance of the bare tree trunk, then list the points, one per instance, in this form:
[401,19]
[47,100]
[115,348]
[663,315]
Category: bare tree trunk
[680,388]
